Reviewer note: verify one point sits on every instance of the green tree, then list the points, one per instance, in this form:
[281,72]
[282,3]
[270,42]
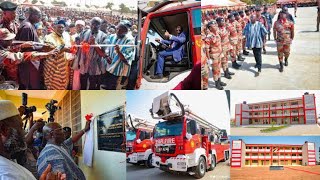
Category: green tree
[109,6]
[124,8]
[34,1]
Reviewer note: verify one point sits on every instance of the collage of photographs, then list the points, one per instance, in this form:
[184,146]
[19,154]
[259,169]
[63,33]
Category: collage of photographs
[159,89]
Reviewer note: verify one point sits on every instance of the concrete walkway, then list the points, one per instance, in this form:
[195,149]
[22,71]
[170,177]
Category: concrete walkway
[303,71]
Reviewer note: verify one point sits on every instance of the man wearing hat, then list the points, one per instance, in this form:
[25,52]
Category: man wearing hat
[283,32]
[55,69]
[8,16]
[121,57]
[233,38]
[214,53]
[239,27]
[30,74]
[12,142]
[225,43]
[10,56]
[91,63]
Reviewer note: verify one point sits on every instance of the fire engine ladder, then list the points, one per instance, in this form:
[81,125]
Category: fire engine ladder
[143,123]
[202,122]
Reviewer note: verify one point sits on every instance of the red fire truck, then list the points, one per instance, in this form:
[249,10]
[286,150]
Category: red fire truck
[139,143]
[153,23]
[183,141]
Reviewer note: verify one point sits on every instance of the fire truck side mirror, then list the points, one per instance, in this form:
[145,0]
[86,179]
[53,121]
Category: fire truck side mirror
[203,131]
[193,127]
[211,138]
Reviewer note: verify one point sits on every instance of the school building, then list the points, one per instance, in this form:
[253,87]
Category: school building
[250,155]
[300,110]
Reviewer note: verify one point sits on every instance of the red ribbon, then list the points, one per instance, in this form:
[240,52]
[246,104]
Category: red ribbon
[88,117]
[73,49]
[85,47]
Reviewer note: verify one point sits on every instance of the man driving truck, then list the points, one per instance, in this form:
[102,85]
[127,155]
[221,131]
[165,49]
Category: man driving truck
[174,47]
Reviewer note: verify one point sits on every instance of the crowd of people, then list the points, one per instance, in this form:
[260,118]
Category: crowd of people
[55,48]
[229,34]
[43,151]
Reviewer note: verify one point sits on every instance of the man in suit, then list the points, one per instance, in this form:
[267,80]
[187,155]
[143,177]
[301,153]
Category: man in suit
[175,48]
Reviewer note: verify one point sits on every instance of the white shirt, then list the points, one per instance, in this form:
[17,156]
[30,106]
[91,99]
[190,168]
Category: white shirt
[10,170]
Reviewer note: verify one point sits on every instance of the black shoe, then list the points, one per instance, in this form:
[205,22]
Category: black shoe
[240,58]
[259,70]
[218,85]
[235,65]
[244,52]
[230,73]
[264,51]
[227,75]
[281,67]
[158,76]
[286,62]
[221,83]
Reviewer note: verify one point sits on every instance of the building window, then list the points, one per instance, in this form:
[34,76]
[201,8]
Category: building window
[70,114]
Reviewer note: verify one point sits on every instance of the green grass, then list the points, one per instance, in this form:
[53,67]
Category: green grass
[271,129]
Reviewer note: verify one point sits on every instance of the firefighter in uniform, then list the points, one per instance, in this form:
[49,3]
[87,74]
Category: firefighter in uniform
[233,38]
[8,16]
[239,28]
[245,18]
[283,32]
[224,35]
[204,65]
[214,53]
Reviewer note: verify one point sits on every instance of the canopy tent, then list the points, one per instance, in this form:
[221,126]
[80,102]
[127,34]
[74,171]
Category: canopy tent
[218,3]
[285,1]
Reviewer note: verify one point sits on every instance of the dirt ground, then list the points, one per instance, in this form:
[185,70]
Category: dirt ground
[289,173]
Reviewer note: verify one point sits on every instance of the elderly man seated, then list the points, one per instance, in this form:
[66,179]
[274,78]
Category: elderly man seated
[56,154]
[175,48]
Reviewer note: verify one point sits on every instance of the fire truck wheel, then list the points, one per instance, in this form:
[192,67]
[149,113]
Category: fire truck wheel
[213,163]
[148,162]
[200,170]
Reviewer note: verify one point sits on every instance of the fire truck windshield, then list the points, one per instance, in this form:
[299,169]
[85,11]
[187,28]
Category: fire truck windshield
[168,128]
[130,135]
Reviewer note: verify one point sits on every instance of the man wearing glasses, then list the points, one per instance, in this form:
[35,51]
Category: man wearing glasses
[175,48]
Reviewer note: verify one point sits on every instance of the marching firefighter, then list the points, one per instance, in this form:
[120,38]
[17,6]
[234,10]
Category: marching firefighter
[225,43]
[283,32]
[231,26]
[214,53]
[239,27]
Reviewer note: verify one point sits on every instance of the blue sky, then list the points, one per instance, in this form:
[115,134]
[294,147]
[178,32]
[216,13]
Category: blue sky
[297,140]
[211,106]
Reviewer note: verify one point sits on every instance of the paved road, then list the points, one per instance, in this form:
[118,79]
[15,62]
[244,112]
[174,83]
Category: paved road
[303,71]
[221,172]
[293,130]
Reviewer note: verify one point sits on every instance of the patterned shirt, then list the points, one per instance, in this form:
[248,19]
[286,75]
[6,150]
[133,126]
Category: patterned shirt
[117,66]
[60,161]
[55,68]
[254,34]
[283,29]
[92,62]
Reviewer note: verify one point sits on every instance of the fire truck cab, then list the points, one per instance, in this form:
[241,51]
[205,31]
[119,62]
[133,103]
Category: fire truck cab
[139,142]
[183,141]
[154,22]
